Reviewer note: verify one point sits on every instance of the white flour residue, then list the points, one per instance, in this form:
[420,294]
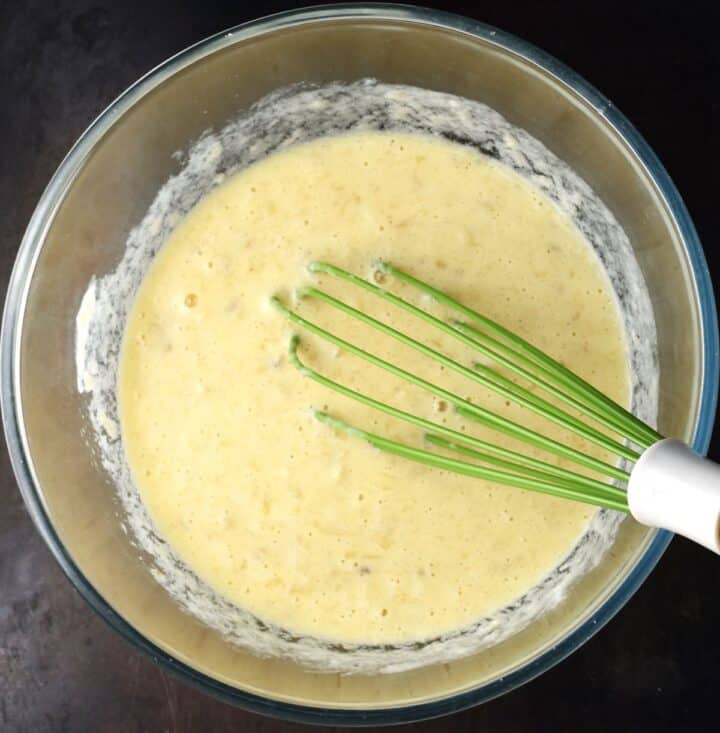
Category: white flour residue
[299,114]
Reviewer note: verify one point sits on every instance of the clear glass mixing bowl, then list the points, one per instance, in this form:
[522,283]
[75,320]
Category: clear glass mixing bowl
[104,187]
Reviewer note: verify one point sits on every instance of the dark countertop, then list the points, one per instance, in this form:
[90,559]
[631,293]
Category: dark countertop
[654,667]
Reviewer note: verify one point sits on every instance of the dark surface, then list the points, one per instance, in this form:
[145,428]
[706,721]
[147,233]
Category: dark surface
[654,667]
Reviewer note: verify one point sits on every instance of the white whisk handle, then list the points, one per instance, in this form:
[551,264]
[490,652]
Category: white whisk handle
[674,488]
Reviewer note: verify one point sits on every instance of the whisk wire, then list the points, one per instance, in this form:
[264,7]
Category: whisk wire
[500,353]
[498,383]
[526,353]
[505,349]
[463,406]
[554,488]
[517,462]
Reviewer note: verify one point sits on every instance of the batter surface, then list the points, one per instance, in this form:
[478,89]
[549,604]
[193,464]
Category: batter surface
[313,530]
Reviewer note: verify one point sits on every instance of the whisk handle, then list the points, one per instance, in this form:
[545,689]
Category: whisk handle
[674,488]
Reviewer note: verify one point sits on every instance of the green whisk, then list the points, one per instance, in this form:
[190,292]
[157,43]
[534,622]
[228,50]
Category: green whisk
[660,481]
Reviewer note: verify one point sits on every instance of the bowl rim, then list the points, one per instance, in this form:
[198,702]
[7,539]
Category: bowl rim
[31,246]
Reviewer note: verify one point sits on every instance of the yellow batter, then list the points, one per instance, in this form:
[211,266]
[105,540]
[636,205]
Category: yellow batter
[308,528]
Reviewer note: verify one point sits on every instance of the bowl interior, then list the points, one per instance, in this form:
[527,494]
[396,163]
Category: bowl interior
[106,189]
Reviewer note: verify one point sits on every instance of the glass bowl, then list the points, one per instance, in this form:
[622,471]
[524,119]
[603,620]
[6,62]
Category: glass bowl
[105,185]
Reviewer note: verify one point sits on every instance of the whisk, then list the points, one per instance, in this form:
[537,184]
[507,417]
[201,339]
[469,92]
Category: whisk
[660,481]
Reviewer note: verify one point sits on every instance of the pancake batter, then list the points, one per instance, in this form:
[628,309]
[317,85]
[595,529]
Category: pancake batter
[305,527]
